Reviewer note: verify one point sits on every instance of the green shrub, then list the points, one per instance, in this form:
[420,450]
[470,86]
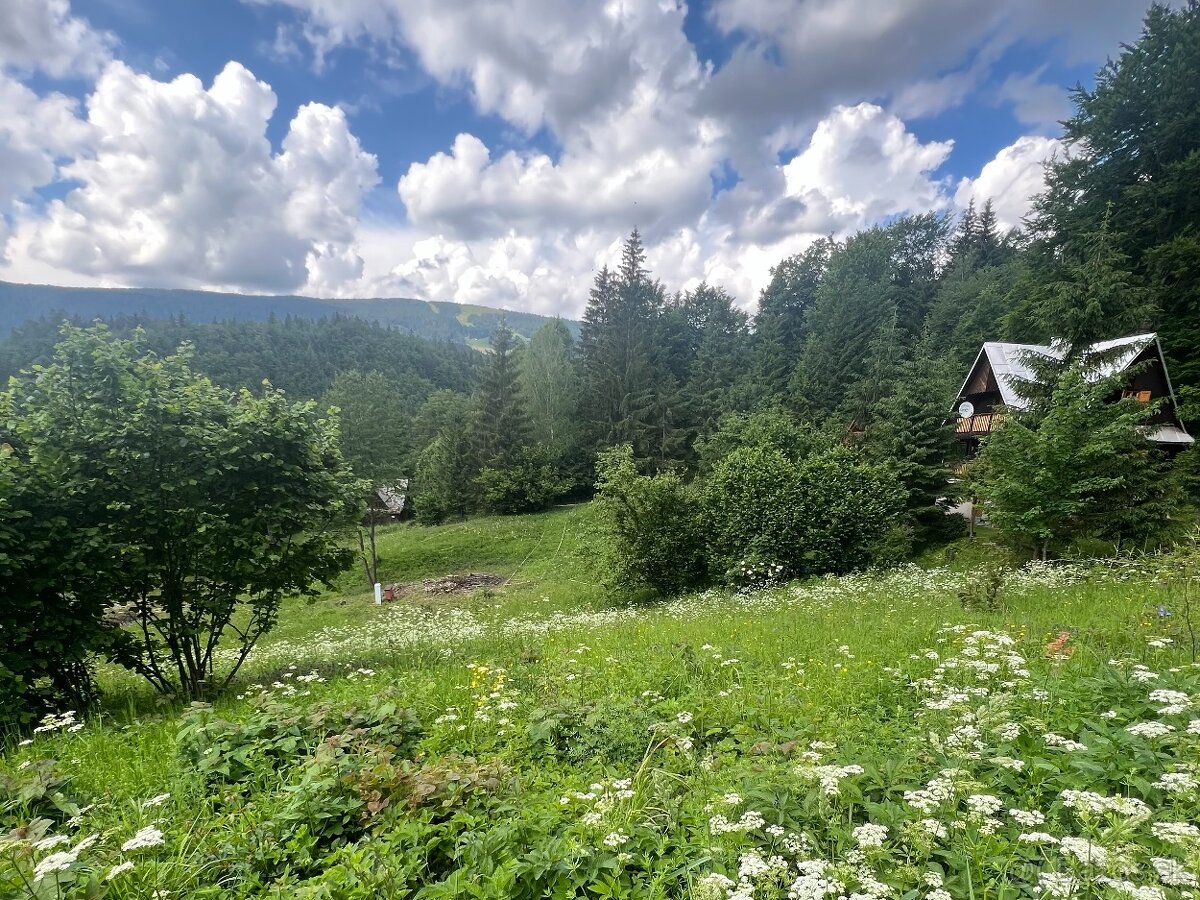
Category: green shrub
[770,518]
[531,484]
[653,527]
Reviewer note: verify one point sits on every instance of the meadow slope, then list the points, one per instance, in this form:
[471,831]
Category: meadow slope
[859,737]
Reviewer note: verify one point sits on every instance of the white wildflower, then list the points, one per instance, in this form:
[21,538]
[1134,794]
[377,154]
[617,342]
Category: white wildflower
[118,869]
[147,837]
[1172,872]
[870,835]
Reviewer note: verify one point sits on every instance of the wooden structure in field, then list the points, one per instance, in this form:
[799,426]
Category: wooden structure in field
[992,387]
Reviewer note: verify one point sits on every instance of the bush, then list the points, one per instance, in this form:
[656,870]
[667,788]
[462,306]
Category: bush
[531,484]
[829,512]
[655,541]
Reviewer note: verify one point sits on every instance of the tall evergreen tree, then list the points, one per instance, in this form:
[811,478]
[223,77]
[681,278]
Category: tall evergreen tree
[1135,138]
[618,332]
[501,421]
[855,298]
[779,325]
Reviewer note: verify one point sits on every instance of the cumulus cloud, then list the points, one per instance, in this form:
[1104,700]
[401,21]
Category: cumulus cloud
[178,185]
[1011,179]
[43,35]
[862,165]
[35,133]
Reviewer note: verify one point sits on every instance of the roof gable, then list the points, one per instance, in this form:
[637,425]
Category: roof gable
[1010,362]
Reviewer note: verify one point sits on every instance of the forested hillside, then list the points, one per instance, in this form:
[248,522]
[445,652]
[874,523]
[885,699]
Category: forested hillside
[20,303]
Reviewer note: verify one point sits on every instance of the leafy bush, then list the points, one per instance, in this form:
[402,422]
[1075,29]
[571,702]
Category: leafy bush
[152,487]
[655,541]
[278,732]
[829,512]
[532,483]
[768,429]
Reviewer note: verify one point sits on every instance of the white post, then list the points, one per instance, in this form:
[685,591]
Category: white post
[378,594]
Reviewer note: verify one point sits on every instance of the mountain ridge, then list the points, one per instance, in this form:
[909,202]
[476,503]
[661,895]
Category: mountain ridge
[437,319]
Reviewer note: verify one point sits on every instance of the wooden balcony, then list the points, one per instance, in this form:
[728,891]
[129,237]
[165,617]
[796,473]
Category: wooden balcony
[980,423]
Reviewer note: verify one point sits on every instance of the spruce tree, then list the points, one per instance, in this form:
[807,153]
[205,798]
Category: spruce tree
[501,422]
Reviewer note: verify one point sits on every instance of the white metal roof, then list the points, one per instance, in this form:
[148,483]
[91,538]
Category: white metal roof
[1011,366]
[1169,434]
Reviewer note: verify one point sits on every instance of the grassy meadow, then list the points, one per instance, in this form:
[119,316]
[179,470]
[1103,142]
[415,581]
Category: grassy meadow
[936,732]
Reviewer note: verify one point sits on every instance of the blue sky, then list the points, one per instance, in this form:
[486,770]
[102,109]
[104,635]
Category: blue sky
[498,152]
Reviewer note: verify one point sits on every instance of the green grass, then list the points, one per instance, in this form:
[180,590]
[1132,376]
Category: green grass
[532,691]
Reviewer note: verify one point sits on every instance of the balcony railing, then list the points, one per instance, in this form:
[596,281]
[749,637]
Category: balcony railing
[980,423]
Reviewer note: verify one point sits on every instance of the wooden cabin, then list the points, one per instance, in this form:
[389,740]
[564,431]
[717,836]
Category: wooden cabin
[991,387]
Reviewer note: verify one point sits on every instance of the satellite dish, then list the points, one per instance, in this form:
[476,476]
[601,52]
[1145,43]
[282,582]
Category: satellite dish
[966,409]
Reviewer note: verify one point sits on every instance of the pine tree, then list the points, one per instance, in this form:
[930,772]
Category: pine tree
[1084,470]
[910,432]
[620,383]
[779,326]
[501,424]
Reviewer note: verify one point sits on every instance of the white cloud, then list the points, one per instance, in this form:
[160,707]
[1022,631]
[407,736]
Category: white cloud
[862,165]
[798,58]
[1011,179]
[42,34]
[179,185]
[1036,103]
[35,132]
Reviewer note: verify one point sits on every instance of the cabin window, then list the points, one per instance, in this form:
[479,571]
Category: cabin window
[1139,396]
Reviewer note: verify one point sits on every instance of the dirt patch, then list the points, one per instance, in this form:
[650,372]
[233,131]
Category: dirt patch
[446,585]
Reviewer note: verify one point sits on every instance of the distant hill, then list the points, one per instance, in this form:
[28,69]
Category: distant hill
[454,322]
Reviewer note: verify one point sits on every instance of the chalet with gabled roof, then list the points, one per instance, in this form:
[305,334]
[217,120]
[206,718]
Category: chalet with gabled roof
[992,386]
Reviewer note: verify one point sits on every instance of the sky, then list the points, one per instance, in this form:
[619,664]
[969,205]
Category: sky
[499,151]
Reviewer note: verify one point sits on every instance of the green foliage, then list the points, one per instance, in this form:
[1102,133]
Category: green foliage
[277,732]
[780,324]
[768,517]
[549,383]
[910,433]
[652,524]
[529,483]
[767,429]
[374,422]
[1084,469]
[195,509]
[51,614]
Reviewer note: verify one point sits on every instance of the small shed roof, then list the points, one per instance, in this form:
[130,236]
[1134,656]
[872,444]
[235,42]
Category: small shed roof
[394,497]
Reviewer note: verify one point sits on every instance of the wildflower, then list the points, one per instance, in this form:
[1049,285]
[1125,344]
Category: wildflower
[870,835]
[1138,892]
[49,843]
[984,804]
[155,801]
[1037,837]
[684,717]
[1175,832]
[55,862]
[1172,872]
[828,777]
[147,837]
[615,839]
[1150,730]
[1007,762]
[1027,817]
[118,869]
[1177,782]
[934,828]
[1056,740]
[731,799]
[1056,884]
[1193,726]
[1084,851]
